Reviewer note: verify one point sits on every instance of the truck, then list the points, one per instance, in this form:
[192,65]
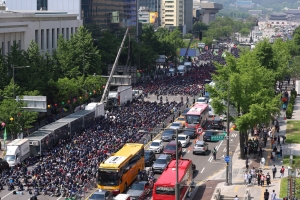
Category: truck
[17,151]
[188,65]
[98,107]
[116,98]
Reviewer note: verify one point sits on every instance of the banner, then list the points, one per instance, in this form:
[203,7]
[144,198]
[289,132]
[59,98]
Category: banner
[153,17]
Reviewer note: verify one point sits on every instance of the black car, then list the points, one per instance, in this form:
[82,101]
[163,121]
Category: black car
[168,135]
[185,111]
[191,132]
[149,158]
[217,123]
[207,134]
[3,165]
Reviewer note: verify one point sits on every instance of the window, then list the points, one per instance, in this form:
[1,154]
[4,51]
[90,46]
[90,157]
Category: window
[68,34]
[8,46]
[72,31]
[3,48]
[57,34]
[36,36]
[75,29]
[42,4]
[52,42]
[169,15]
[169,10]
[19,43]
[63,32]
[47,38]
[169,20]
[42,39]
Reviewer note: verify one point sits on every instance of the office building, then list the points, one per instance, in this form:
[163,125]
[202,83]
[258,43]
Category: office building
[40,26]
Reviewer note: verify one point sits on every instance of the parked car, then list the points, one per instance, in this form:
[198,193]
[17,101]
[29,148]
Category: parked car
[171,149]
[157,146]
[191,132]
[168,135]
[184,140]
[161,163]
[149,158]
[207,134]
[101,195]
[176,125]
[217,123]
[139,190]
[200,147]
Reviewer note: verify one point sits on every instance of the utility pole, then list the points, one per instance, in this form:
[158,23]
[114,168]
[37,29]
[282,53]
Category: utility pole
[227,152]
[177,186]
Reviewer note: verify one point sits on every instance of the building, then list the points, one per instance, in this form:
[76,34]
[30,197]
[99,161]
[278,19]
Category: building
[206,11]
[176,13]
[255,12]
[244,4]
[43,27]
[144,15]
[101,13]
[153,6]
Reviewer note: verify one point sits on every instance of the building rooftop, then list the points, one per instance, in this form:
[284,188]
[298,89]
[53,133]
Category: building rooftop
[292,11]
[210,5]
[244,2]
[28,13]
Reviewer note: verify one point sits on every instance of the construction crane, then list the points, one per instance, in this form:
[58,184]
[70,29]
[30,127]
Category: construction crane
[105,92]
[187,49]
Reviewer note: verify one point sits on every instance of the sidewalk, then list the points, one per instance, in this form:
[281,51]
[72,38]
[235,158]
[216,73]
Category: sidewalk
[238,187]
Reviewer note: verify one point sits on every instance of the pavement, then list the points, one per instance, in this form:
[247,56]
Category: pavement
[238,187]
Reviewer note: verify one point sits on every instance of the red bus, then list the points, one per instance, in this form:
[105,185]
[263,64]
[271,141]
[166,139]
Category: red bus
[197,115]
[164,187]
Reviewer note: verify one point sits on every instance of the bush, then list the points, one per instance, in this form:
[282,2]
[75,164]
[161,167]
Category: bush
[289,111]
[292,100]
[293,92]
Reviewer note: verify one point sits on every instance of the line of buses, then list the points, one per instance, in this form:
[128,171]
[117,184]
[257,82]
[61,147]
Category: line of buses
[121,169]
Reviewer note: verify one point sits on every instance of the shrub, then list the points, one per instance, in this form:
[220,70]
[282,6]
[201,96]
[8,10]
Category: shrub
[289,111]
[293,92]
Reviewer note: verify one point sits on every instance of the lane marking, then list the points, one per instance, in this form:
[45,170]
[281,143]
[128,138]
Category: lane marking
[236,188]
[233,134]
[210,159]
[188,151]
[7,195]
[225,149]
[184,150]
[202,170]
[59,198]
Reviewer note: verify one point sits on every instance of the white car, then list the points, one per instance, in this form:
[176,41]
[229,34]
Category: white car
[184,140]
[157,146]
[176,125]
[201,100]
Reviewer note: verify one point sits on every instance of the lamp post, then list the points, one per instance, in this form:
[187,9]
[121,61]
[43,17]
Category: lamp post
[227,152]
[177,185]
[16,67]
[83,67]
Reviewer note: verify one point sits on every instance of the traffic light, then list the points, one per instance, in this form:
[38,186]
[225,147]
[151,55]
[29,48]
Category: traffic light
[200,35]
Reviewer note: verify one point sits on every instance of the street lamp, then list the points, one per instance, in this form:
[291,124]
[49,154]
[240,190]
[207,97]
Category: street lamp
[16,67]
[83,67]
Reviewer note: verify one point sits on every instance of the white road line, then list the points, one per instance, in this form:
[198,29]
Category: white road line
[59,198]
[184,150]
[225,149]
[7,195]
[202,170]
[217,148]
[210,159]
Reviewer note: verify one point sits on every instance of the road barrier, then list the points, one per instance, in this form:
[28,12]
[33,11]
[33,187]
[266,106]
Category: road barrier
[217,194]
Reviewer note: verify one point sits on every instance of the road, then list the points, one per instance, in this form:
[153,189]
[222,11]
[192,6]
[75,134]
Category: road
[205,165]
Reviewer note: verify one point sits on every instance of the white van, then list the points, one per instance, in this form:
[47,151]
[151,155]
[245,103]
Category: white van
[182,70]
[122,197]
[188,65]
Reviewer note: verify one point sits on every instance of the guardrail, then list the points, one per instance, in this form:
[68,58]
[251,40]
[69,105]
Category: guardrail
[217,194]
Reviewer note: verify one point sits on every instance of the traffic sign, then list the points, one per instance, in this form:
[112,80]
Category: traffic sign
[227,159]
[217,137]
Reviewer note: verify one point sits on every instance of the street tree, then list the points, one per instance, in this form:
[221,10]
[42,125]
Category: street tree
[199,26]
[245,31]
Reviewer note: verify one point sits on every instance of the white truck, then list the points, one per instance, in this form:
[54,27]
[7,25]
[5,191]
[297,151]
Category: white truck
[17,151]
[119,97]
[182,70]
[188,65]
[98,107]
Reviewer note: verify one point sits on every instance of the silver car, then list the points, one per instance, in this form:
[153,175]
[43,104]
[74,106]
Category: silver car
[157,146]
[176,125]
[161,163]
[200,147]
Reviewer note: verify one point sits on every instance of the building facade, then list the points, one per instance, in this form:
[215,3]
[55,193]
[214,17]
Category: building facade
[206,11]
[144,15]
[102,13]
[42,27]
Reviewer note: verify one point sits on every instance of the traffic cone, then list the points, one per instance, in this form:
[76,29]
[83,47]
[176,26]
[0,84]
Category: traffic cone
[284,117]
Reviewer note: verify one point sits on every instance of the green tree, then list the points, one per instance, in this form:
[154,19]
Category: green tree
[200,26]
[245,31]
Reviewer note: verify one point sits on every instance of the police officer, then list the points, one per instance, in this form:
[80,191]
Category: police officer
[215,153]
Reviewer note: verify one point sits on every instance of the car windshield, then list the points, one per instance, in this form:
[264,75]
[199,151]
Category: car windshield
[97,196]
[199,145]
[201,100]
[168,132]
[161,161]
[181,118]
[147,155]
[9,158]
[192,119]
[108,178]
[175,124]
[181,138]
[138,187]
[165,190]
[170,147]
[155,144]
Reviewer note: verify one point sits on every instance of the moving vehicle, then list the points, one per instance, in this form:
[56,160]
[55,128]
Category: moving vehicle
[139,190]
[184,140]
[101,195]
[157,146]
[149,158]
[208,133]
[164,187]
[161,163]
[118,171]
[200,147]
[181,119]
[182,70]
[191,132]
[176,125]
[168,135]
[197,116]
[201,100]
[122,197]
[171,149]
[211,112]
[17,151]
[98,107]
[217,123]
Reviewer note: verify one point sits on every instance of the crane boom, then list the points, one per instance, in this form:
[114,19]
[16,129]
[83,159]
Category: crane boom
[187,49]
[113,68]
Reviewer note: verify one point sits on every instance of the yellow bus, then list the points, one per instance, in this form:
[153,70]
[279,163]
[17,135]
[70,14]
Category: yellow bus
[118,171]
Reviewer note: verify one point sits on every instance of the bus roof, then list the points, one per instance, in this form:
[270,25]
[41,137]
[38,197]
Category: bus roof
[197,109]
[125,153]
[168,177]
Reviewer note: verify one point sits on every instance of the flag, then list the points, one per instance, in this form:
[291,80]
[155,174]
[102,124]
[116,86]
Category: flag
[4,135]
